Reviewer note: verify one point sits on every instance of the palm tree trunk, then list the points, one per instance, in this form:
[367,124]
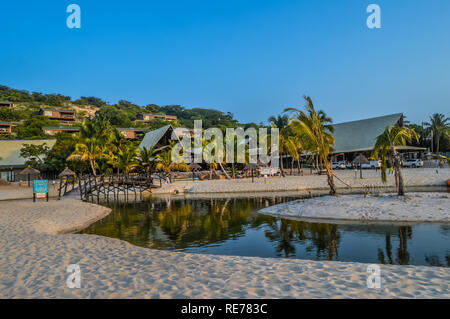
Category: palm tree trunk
[398,173]
[281,167]
[224,171]
[93,167]
[330,177]
[232,168]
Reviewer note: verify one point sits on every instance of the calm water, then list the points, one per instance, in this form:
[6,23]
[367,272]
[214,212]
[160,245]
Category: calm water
[233,227]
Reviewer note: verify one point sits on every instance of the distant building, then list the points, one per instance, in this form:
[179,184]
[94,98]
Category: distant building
[6,128]
[53,130]
[150,117]
[184,132]
[63,116]
[132,133]
[9,105]
[360,136]
[11,163]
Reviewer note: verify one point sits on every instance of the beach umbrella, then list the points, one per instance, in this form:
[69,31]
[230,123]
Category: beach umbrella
[359,160]
[194,167]
[251,166]
[28,172]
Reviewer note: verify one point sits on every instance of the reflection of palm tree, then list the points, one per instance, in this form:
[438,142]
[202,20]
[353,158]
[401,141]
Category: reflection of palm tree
[404,233]
[388,251]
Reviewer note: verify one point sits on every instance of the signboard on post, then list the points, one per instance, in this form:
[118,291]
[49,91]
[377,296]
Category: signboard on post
[40,189]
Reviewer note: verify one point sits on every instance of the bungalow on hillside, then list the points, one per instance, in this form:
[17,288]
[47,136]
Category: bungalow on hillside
[63,116]
[8,105]
[53,130]
[132,133]
[6,128]
[146,118]
[11,163]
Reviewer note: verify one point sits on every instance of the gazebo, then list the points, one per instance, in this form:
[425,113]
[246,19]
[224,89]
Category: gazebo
[68,174]
[28,172]
[359,160]
[194,167]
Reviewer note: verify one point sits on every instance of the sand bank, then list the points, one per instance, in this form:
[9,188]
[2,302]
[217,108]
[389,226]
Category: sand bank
[34,256]
[414,207]
[372,179]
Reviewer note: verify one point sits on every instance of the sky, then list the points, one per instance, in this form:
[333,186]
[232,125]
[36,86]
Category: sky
[250,58]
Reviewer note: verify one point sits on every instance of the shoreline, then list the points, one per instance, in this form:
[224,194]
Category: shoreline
[34,238]
[418,207]
[414,178]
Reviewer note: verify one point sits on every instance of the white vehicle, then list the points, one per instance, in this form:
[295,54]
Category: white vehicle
[412,163]
[372,164]
[339,165]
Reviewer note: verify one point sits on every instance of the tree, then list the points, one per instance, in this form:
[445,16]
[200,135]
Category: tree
[281,122]
[127,160]
[95,136]
[386,147]
[316,129]
[35,154]
[145,159]
[439,126]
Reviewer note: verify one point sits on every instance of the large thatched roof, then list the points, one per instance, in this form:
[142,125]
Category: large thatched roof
[358,136]
[29,171]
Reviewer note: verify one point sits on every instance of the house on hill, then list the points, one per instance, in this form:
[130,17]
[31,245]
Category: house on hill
[146,118]
[8,105]
[6,128]
[53,130]
[63,116]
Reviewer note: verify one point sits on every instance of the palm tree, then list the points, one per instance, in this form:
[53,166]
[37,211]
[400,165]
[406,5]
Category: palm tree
[386,147]
[126,158]
[316,130]
[145,159]
[94,136]
[439,126]
[282,123]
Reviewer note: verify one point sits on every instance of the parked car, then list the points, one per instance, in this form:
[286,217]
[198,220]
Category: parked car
[412,163]
[372,164]
[339,165]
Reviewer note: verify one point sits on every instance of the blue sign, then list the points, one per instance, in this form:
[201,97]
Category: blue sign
[40,186]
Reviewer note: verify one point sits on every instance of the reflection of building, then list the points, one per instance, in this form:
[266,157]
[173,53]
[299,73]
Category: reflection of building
[63,116]
[5,128]
[150,117]
[9,105]
[132,133]
[53,130]
[360,136]
[11,163]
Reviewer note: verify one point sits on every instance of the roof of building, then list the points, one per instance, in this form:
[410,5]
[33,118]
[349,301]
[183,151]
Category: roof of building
[361,135]
[60,128]
[10,151]
[58,110]
[153,137]
[131,129]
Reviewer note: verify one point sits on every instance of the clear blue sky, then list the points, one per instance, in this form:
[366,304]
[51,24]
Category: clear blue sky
[251,58]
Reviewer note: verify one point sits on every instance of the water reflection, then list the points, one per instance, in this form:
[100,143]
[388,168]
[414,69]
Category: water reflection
[233,226]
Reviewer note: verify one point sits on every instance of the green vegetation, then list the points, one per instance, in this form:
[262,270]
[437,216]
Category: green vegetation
[386,148]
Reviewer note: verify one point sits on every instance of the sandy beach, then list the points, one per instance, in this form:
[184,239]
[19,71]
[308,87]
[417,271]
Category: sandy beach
[371,179]
[35,251]
[414,207]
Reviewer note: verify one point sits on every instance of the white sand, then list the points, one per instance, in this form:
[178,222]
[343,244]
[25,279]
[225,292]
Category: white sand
[414,207]
[34,256]
[413,177]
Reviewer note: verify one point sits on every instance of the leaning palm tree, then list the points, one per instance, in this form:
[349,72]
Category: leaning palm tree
[439,126]
[386,148]
[316,130]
